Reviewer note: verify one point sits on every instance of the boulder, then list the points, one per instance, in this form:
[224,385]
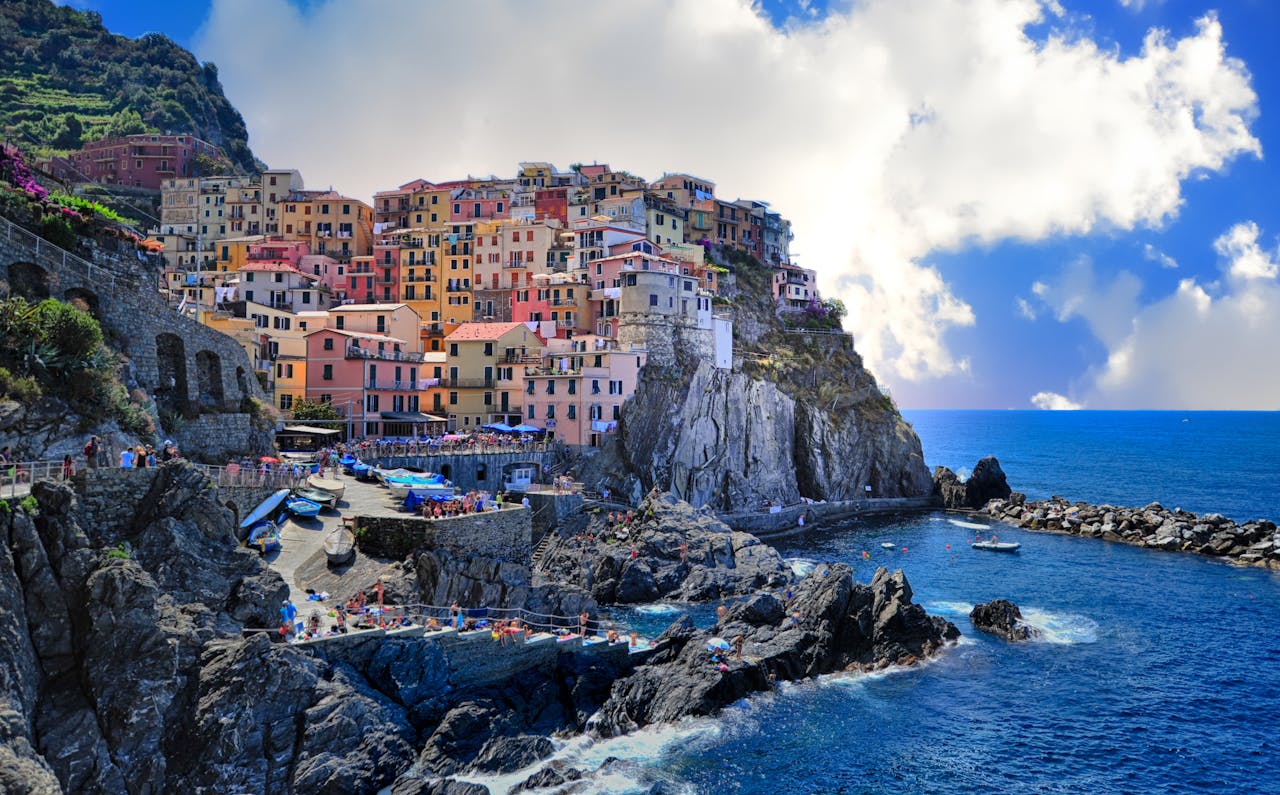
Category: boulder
[1002,617]
[987,483]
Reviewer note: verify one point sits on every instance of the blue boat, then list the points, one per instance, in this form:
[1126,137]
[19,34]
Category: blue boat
[362,471]
[265,510]
[348,462]
[300,506]
[265,537]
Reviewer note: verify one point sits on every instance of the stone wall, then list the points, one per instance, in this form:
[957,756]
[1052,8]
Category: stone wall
[217,438]
[110,497]
[177,362]
[550,509]
[787,520]
[482,471]
[504,535]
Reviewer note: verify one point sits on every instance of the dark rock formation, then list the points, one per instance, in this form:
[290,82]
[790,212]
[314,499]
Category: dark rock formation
[1255,543]
[1002,617]
[987,483]
[833,624]
[680,553]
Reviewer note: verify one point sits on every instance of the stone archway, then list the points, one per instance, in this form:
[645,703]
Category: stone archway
[171,370]
[209,380]
[83,299]
[30,281]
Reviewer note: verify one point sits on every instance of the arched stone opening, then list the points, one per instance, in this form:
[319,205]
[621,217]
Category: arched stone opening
[209,379]
[30,281]
[171,369]
[84,299]
[447,471]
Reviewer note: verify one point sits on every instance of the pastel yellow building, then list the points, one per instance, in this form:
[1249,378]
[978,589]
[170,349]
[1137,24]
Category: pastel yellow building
[485,378]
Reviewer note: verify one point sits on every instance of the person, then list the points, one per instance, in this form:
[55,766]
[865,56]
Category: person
[524,502]
[151,456]
[126,458]
[288,614]
[68,468]
[91,453]
[341,616]
[635,639]
[583,621]
[139,456]
[738,643]
[612,635]
[5,454]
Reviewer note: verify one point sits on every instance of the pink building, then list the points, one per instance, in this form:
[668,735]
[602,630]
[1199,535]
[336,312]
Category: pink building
[143,160]
[578,390]
[556,299]
[375,380]
[278,249]
[479,203]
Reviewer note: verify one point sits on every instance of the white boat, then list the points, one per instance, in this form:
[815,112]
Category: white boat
[422,485]
[334,487]
[339,545]
[997,546]
[888,545]
[382,474]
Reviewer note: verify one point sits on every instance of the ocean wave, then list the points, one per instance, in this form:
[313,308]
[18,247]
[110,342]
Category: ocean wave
[970,525]
[949,608]
[659,609]
[801,566]
[1061,628]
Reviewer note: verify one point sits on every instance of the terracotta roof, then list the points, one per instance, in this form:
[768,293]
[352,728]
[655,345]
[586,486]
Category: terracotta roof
[482,331]
[356,335]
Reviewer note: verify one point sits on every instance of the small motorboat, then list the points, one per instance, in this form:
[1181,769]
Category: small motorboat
[997,546]
[426,485]
[347,462]
[334,487]
[264,537]
[322,498]
[888,545]
[301,506]
[362,471]
[339,545]
[382,474]
[263,513]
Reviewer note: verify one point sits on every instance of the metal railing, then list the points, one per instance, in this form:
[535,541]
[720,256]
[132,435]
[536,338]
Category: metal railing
[280,476]
[16,477]
[93,274]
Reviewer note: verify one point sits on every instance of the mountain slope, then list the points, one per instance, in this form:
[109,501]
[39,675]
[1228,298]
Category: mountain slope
[66,79]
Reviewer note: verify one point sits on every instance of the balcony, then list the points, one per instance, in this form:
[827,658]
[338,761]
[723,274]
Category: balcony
[466,383]
[563,302]
[521,358]
[453,287]
[420,278]
[356,352]
[398,386]
[520,264]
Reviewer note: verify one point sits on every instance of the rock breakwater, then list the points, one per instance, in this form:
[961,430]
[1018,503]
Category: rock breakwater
[1255,543]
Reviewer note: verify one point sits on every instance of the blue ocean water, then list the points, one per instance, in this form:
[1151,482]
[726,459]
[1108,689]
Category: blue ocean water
[1222,461]
[1158,673]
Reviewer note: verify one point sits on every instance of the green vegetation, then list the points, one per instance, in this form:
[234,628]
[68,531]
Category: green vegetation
[5,508]
[56,349]
[119,553]
[65,80]
[304,409]
[29,504]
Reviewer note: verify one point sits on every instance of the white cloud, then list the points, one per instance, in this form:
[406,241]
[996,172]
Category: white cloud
[1201,347]
[1153,254]
[1052,401]
[1239,245]
[886,132]
[1025,309]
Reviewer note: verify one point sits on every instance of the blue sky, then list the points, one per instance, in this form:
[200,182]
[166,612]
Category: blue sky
[1146,282]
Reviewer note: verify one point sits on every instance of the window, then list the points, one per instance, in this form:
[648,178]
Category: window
[529,388]
[551,411]
[453,398]
[573,387]
[342,322]
[551,386]
[306,299]
[653,299]
[531,409]
[573,412]
[453,349]
[617,411]
[488,398]
[595,386]
[328,343]
[488,349]
[326,398]
[286,402]
[328,370]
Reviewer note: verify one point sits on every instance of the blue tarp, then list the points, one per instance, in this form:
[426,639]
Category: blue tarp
[413,501]
[522,428]
[500,427]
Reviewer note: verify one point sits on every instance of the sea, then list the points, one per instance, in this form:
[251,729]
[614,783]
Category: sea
[1157,672]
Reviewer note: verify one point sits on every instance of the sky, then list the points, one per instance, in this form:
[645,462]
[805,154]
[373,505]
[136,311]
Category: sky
[1046,204]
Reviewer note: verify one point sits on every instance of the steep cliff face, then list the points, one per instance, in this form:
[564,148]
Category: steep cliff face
[797,416]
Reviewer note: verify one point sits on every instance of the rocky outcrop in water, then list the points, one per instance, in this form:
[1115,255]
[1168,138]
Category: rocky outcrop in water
[680,554]
[832,624]
[1002,617]
[1255,543]
[988,482]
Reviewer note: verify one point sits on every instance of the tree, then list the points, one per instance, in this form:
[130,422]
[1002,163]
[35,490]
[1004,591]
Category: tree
[304,409]
[69,133]
[125,122]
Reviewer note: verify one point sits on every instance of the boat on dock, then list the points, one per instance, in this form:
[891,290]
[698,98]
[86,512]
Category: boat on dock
[263,513]
[321,498]
[347,462]
[997,546]
[426,485]
[301,506]
[334,487]
[339,546]
[362,471]
[265,537]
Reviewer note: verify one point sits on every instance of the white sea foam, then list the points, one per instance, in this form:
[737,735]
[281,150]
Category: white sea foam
[801,566]
[659,609]
[1061,628]
[949,608]
[970,525]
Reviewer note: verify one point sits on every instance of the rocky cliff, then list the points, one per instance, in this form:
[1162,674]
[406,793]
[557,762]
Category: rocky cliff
[797,416]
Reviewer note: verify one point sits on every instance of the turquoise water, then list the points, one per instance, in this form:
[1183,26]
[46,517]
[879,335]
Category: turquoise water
[1159,672]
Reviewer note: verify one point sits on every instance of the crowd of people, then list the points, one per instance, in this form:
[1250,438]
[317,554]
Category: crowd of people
[484,442]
